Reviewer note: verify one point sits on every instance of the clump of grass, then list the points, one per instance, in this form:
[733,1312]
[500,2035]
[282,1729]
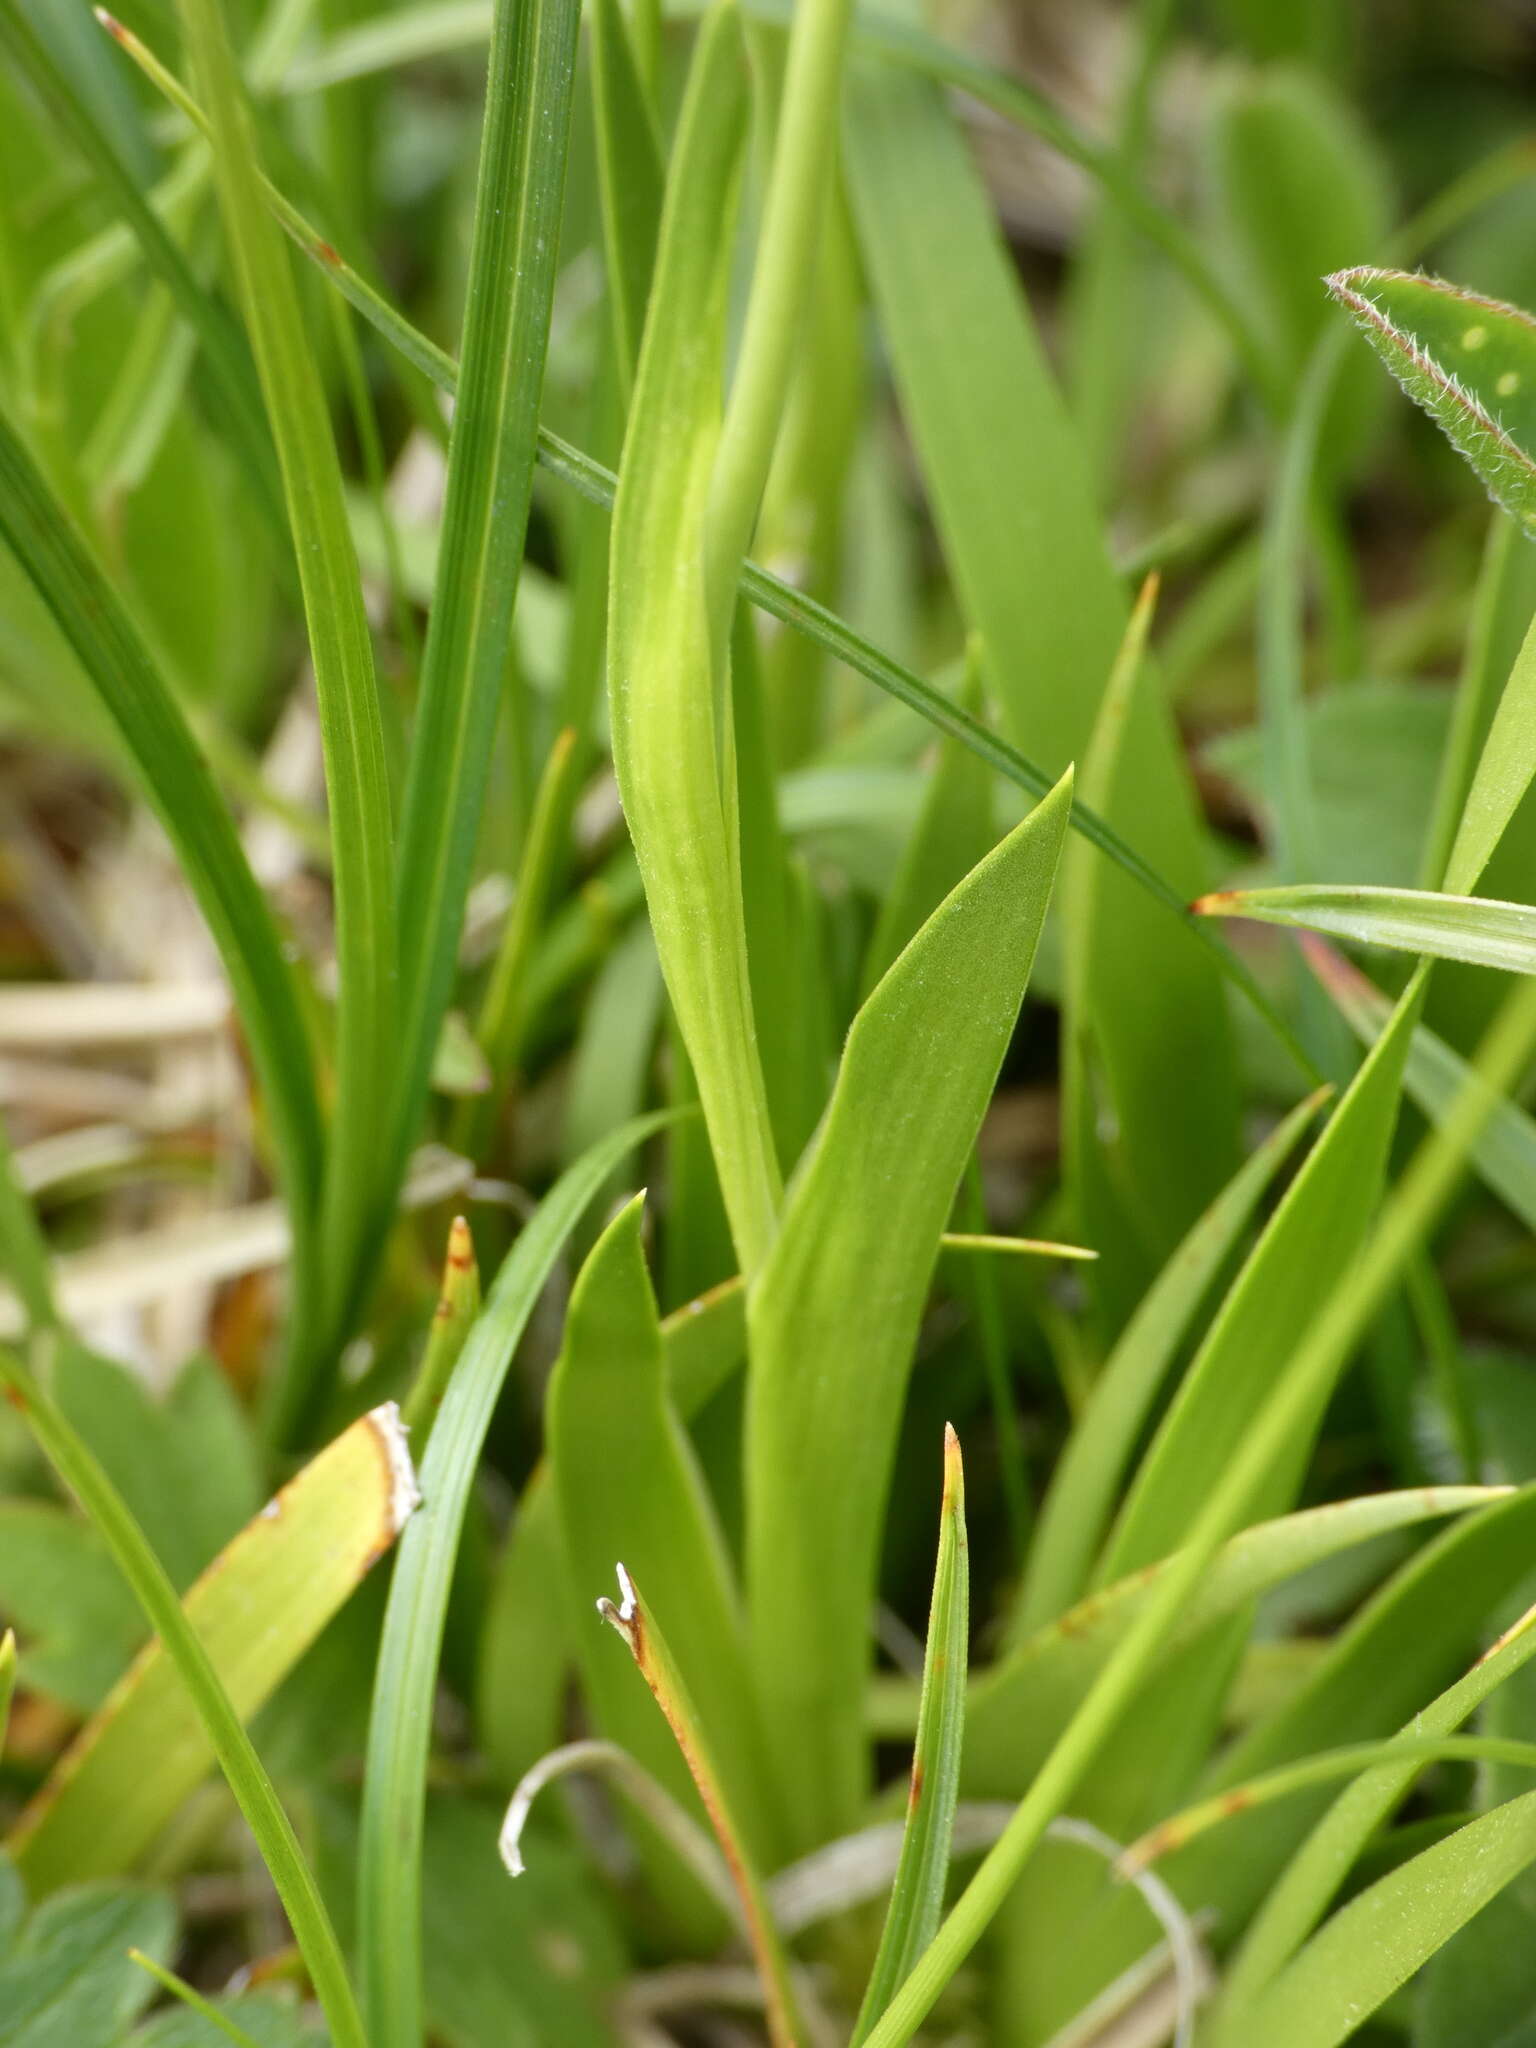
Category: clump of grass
[782,738]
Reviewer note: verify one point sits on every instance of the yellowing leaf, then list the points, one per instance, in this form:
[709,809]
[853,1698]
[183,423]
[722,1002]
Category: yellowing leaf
[257,1608]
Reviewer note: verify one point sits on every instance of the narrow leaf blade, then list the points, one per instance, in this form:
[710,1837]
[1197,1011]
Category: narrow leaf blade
[917,1895]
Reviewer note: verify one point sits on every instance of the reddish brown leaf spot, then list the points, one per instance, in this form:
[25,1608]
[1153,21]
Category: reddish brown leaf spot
[915,1791]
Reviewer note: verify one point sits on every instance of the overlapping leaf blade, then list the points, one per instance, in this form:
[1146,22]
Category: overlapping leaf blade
[833,1315]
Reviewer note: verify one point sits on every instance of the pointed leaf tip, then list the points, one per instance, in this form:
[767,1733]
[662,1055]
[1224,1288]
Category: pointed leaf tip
[954,1470]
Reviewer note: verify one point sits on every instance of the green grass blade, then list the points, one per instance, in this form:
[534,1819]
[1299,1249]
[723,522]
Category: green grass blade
[1312,1877]
[1505,1153]
[182,1991]
[176,781]
[389,1872]
[1300,189]
[1014,504]
[1501,610]
[358,1169]
[234,386]
[414,32]
[1350,1761]
[1377,1941]
[254,1610]
[779,917]
[519,193]
[953,831]
[1142,1160]
[1288,1413]
[591,480]
[248,1780]
[1502,777]
[1020,1705]
[1308,1245]
[668,709]
[794,206]
[1470,928]
[1080,1500]
[627,1480]
[917,1893]
[632,179]
[1407,1641]
[847,1278]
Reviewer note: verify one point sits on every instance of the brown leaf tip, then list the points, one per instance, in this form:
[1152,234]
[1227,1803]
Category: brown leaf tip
[1216,903]
[461,1246]
[954,1467]
[111,24]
